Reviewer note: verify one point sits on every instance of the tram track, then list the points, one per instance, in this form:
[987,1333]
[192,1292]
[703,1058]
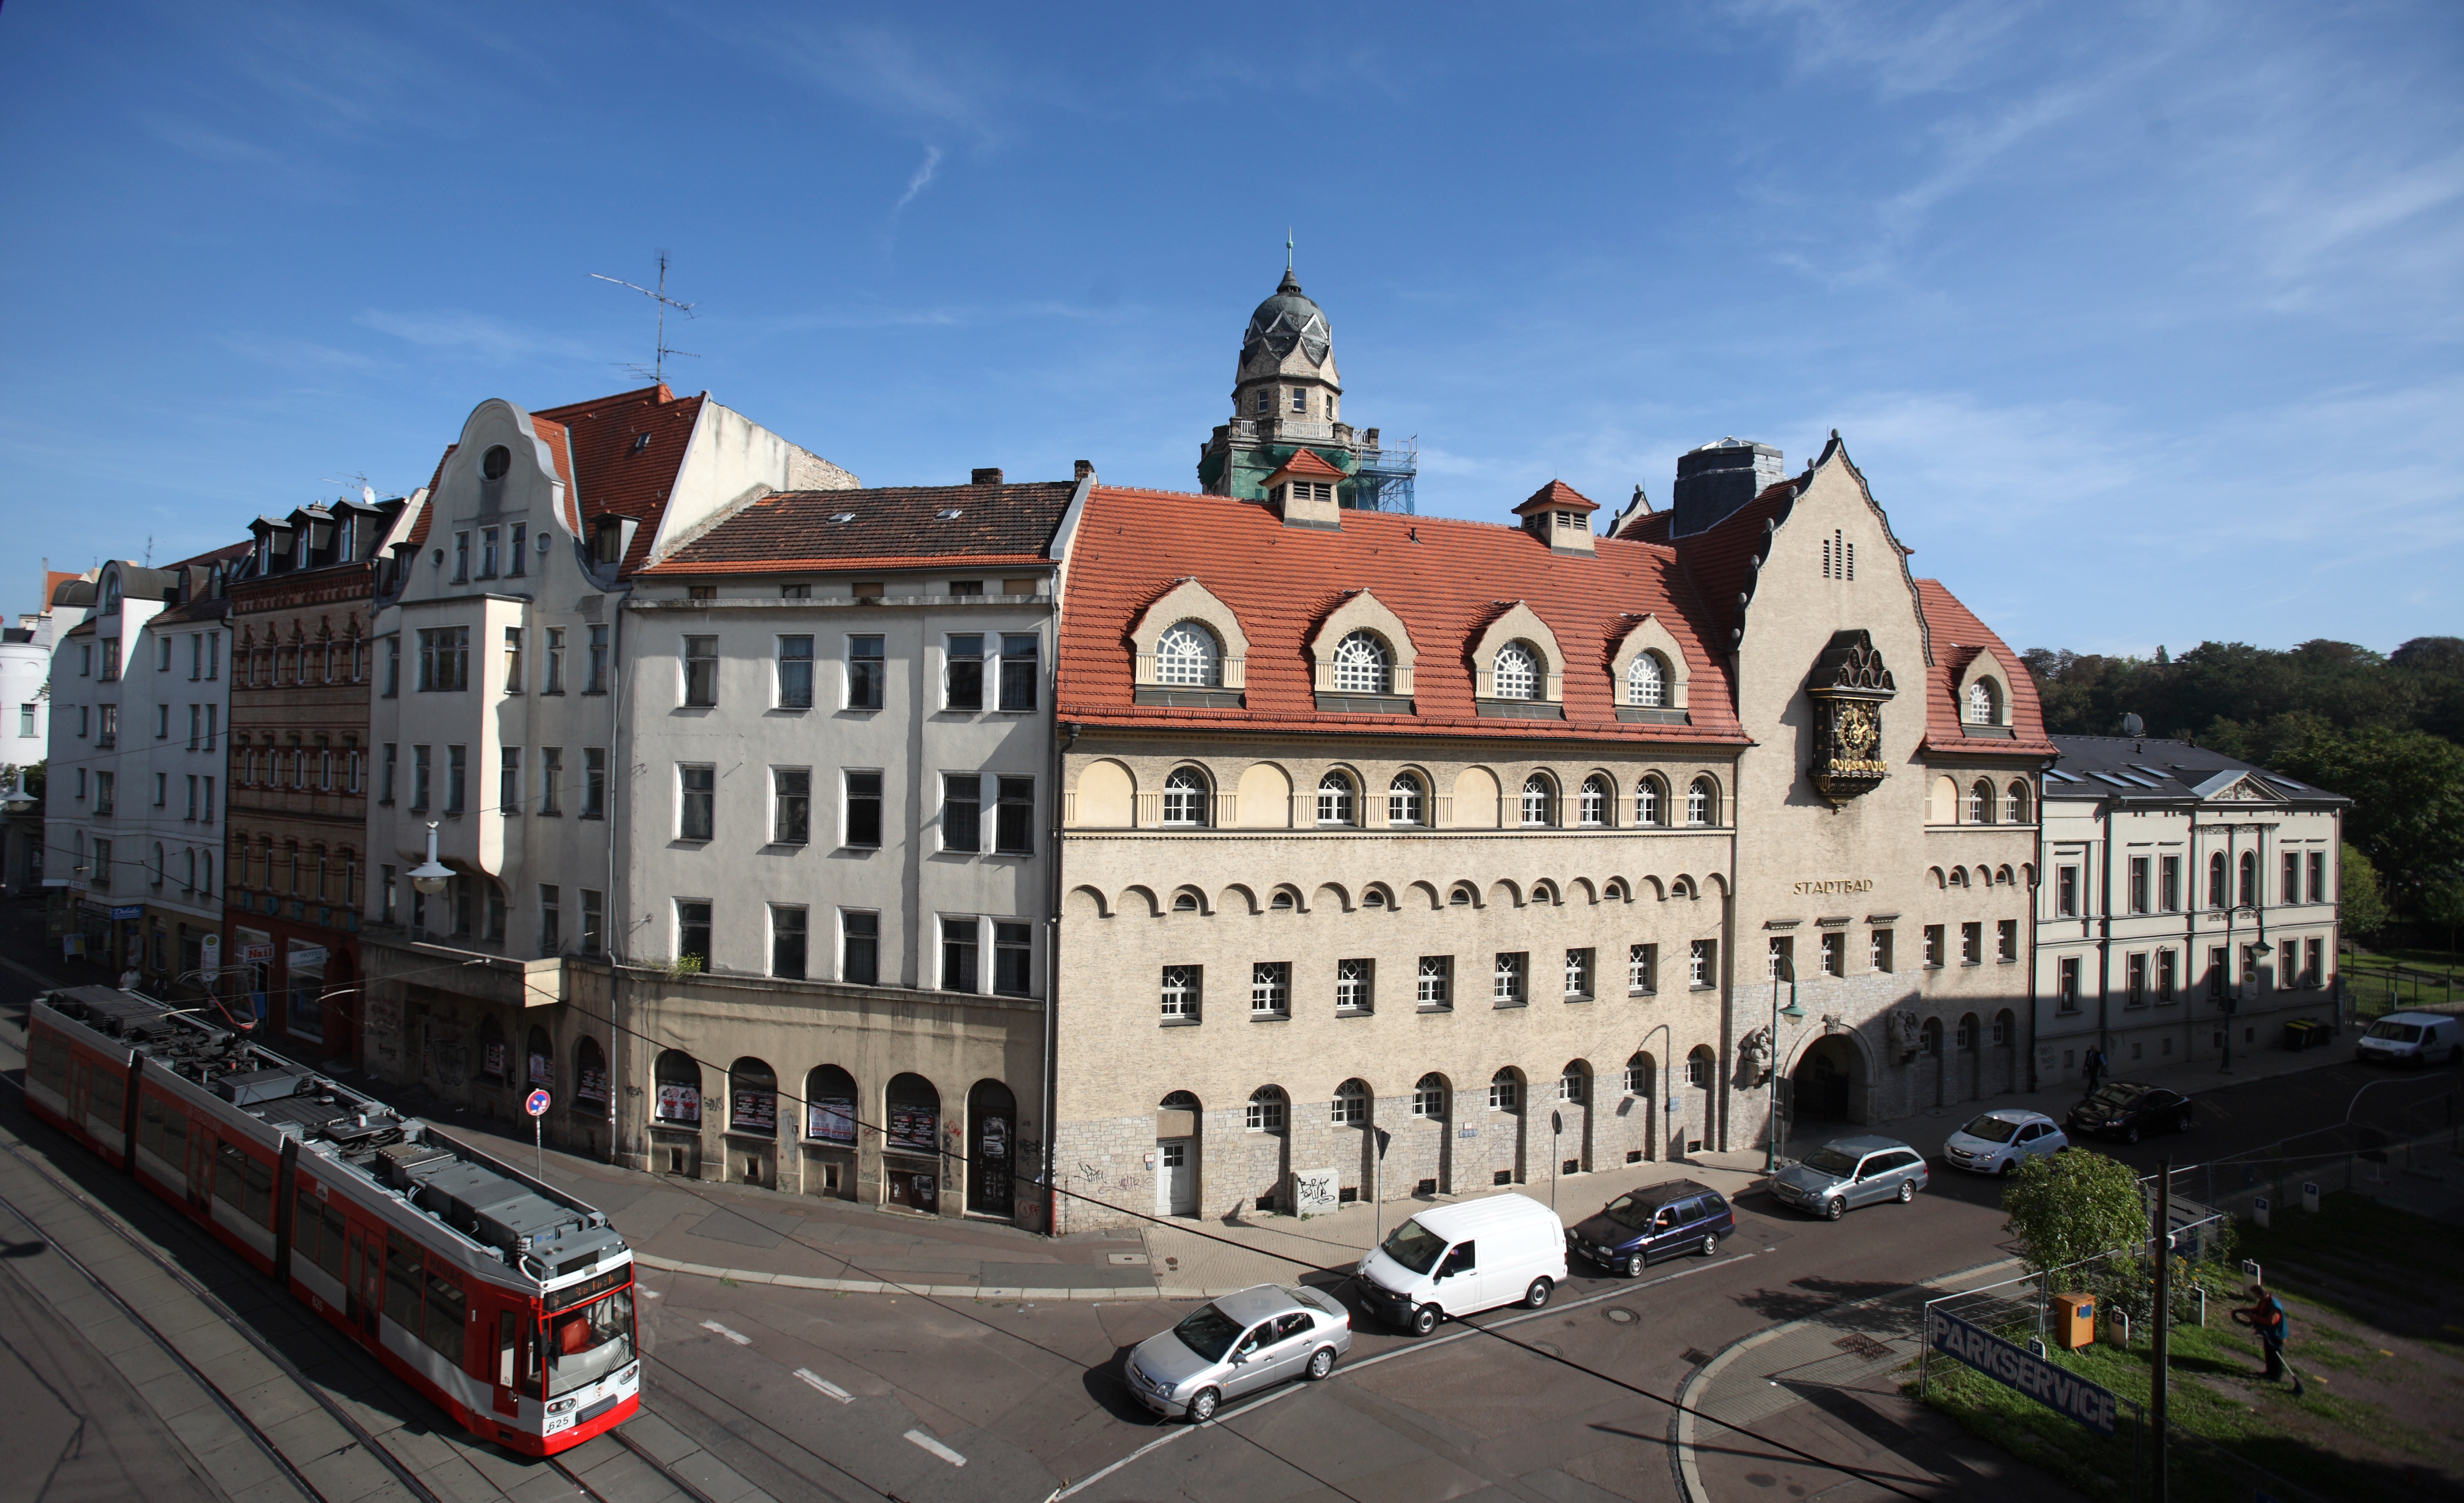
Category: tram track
[367,1440]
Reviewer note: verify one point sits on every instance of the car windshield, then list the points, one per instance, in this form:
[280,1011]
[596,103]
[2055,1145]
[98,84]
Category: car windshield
[2115,1095]
[586,1344]
[1208,1332]
[1993,1129]
[2401,1032]
[1414,1247]
[1631,1212]
[1829,1159]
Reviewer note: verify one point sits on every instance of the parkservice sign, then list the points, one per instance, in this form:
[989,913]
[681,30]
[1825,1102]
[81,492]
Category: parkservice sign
[2057,1387]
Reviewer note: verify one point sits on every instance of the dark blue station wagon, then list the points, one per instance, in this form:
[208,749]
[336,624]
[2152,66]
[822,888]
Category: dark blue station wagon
[1659,1221]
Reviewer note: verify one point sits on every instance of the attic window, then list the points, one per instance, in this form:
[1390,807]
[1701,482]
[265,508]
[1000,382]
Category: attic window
[494,464]
[843,517]
[949,514]
[641,441]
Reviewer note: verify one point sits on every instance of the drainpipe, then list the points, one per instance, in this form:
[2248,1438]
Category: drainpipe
[2104,935]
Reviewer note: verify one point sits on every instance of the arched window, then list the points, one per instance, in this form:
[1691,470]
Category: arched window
[1362,665]
[189,879]
[1638,1075]
[1595,808]
[1350,1104]
[1646,681]
[913,1105]
[591,1076]
[2249,880]
[1429,1097]
[1407,800]
[159,872]
[1539,800]
[2014,803]
[1266,1106]
[208,873]
[2216,881]
[1985,702]
[1505,1090]
[753,1098]
[1185,797]
[829,1105]
[1459,897]
[542,1061]
[1574,1084]
[1701,1068]
[1188,654]
[1931,1034]
[1335,799]
[1516,674]
[1651,801]
[1703,802]
[1980,802]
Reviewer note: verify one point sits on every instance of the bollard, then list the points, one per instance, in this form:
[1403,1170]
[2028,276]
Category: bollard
[2258,1210]
[2117,1329]
[2310,1196]
[2202,1290]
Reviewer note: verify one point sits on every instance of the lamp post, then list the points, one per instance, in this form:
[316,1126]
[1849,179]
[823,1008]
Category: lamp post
[1794,1014]
[432,876]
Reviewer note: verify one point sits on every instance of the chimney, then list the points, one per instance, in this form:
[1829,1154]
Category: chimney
[1084,469]
[1716,479]
[986,478]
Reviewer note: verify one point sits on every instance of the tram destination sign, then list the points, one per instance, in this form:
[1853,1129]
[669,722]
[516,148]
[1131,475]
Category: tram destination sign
[2057,1387]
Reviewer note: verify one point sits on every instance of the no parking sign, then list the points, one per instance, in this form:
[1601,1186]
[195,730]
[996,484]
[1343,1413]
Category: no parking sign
[536,1104]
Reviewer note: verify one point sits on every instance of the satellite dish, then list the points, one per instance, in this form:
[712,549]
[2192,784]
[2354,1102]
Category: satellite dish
[2133,726]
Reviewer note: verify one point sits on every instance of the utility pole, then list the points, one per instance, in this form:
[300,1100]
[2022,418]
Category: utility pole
[2156,1376]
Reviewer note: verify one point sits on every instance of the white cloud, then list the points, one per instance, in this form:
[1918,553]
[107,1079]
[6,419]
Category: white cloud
[921,180]
[474,334]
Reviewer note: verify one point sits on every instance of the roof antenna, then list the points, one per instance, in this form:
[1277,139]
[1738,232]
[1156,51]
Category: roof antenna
[659,364]
[149,550]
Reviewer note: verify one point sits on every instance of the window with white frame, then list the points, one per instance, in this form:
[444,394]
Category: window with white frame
[1181,992]
[1267,1108]
[1505,1090]
[1270,989]
[1335,799]
[1650,802]
[1642,968]
[1429,1097]
[1702,803]
[1594,809]
[1188,654]
[1703,964]
[1352,984]
[1351,1105]
[1573,1087]
[1638,1075]
[1984,702]
[1406,800]
[1436,981]
[1516,675]
[1539,800]
[1362,665]
[1646,681]
[1185,797]
[1506,984]
[1578,973]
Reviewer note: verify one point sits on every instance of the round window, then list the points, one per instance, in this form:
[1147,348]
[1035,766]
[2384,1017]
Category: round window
[494,464]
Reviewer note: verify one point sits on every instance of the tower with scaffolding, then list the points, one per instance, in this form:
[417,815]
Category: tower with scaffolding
[1287,396]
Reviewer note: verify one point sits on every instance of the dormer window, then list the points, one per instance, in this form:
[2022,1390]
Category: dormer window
[1362,665]
[1187,655]
[1518,673]
[1648,681]
[1983,703]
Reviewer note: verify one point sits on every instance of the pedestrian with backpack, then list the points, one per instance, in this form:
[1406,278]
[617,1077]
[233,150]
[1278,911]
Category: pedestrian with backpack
[2095,1067]
[2266,1317]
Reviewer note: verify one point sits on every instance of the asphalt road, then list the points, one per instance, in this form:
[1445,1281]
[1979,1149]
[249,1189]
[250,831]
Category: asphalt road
[856,1397]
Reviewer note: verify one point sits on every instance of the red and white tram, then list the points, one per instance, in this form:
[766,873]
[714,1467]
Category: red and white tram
[504,1300]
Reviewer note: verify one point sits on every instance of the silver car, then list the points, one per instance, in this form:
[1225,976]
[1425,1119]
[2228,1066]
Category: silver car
[1237,1344]
[2001,1140]
[1849,1172]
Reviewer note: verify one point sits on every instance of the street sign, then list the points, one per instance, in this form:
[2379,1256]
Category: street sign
[537,1103]
[2055,1386]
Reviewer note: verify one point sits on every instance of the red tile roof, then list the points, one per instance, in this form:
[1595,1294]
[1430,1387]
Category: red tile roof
[1720,560]
[1445,578]
[1957,637]
[606,474]
[889,527]
[1557,497]
[1306,464]
[52,580]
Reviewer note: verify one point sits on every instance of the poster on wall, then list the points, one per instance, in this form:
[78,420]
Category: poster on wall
[753,1112]
[543,1072]
[592,1084]
[915,1130]
[680,1104]
[830,1119]
[493,1060]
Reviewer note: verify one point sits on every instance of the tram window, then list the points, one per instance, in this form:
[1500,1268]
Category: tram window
[402,1283]
[586,1344]
[330,1256]
[307,1227]
[48,1063]
[505,1350]
[244,1184]
[110,1094]
[448,1311]
[163,1131]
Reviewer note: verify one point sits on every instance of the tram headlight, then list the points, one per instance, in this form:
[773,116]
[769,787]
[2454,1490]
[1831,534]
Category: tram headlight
[561,1406]
[626,1378]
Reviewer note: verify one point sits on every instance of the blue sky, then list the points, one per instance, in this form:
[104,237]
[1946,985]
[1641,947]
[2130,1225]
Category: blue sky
[2143,321]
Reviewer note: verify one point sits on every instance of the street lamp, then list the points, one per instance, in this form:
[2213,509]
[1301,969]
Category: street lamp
[430,878]
[17,801]
[1793,1014]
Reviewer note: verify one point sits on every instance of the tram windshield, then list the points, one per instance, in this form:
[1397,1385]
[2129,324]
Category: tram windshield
[586,1344]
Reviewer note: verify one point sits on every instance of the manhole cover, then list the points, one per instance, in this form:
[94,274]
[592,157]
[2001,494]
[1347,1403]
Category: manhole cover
[1696,1357]
[1131,1258]
[1620,1316]
[1864,1346]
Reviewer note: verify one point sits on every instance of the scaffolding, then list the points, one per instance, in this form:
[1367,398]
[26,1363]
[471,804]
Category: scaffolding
[1383,482]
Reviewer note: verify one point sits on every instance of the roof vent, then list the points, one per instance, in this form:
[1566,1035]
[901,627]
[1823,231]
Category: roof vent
[2133,726]
[641,441]
[949,514]
[843,517]
[986,478]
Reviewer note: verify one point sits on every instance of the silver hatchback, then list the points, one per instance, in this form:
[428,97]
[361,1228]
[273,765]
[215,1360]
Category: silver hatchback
[1237,1344]
[1848,1172]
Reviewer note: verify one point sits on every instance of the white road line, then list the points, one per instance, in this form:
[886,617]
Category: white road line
[827,1386]
[936,1448]
[737,1336]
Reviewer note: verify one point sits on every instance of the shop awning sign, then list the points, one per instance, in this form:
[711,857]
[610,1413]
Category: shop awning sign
[2055,1386]
[129,911]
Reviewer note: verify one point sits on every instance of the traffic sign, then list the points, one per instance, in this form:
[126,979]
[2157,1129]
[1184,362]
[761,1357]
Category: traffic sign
[537,1105]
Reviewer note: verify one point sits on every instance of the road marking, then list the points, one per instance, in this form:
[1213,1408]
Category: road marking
[827,1386]
[936,1448]
[737,1336]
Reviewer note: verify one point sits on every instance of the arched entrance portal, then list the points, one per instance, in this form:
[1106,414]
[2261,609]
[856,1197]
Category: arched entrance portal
[1825,1083]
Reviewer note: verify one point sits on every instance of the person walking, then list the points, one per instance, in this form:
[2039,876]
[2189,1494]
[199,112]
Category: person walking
[2095,1065]
[2265,1317]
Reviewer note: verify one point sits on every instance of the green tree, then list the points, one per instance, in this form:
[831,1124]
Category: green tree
[2364,900]
[2442,903]
[2408,793]
[2073,1206]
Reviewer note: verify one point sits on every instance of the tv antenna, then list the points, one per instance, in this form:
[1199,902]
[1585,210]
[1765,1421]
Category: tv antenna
[367,491]
[657,370]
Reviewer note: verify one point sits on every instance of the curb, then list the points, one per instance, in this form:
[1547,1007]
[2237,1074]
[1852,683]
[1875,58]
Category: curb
[869,1286]
[1689,1478]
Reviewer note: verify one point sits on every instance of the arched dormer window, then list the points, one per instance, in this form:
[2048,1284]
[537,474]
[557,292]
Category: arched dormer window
[1650,802]
[1980,802]
[1702,803]
[1335,802]
[1185,797]
[1363,665]
[1188,654]
[1646,682]
[1539,800]
[1594,810]
[1407,800]
[1517,672]
[1985,702]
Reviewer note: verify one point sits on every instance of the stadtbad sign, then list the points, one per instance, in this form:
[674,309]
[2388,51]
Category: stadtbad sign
[1835,887]
[2057,1388]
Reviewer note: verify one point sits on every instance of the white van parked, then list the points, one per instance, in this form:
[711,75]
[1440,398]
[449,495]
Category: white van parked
[1459,1259]
[2412,1038]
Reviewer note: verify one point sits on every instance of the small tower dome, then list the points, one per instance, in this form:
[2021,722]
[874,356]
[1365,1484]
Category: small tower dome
[1287,321]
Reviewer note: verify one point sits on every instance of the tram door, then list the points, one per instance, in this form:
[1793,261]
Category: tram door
[368,1284]
[80,1091]
[200,1166]
[506,1327]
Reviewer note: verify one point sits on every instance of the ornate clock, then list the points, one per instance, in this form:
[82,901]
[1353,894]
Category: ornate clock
[1848,686]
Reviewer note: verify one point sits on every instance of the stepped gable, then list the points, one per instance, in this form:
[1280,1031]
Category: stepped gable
[1443,577]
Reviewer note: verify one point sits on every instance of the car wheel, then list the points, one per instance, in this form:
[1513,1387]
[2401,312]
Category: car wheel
[1424,1319]
[1710,1248]
[1320,1362]
[1833,1209]
[2006,1166]
[2130,1134]
[1634,1263]
[2182,1123]
[1202,1406]
[1907,1191]
[1537,1294]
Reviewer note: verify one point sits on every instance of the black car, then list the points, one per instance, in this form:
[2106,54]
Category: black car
[2125,1109]
[1655,1222]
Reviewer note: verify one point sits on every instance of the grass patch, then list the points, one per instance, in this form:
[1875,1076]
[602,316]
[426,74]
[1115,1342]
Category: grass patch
[2357,1247]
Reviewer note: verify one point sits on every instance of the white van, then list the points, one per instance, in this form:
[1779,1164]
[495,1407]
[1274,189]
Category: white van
[1456,1260]
[2412,1038]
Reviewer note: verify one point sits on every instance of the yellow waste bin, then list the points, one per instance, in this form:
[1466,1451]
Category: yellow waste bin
[2074,1321]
